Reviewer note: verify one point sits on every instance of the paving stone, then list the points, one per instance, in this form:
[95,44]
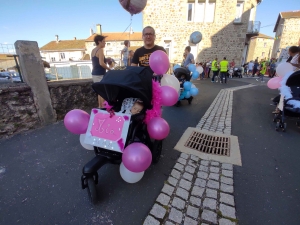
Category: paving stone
[190,169]
[226,198]
[209,216]
[169,223]
[202,175]
[185,184]
[192,212]
[175,215]
[163,199]
[227,166]
[189,221]
[203,168]
[210,203]
[225,222]
[179,166]
[178,203]
[227,180]
[182,193]
[204,162]
[214,176]
[183,155]
[226,188]
[168,189]
[211,193]
[197,191]
[192,163]
[213,184]
[151,221]
[200,182]
[175,173]
[215,163]
[158,211]
[195,201]
[204,224]
[182,161]
[227,211]
[227,173]
[188,176]
[195,158]
[172,181]
[214,169]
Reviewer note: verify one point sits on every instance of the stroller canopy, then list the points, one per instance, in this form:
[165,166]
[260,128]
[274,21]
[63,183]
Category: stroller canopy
[294,79]
[133,82]
[182,71]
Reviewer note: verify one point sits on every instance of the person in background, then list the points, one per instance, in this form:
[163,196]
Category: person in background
[189,57]
[99,63]
[294,52]
[224,69]
[291,57]
[204,69]
[272,69]
[184,56]
[203,73]
[142,55]
[263,70]
[255,68]
[250,67]
[209,69]
[232,64]
[125,52]
[214,68]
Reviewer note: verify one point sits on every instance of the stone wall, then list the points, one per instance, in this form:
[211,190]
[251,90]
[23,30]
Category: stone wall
[220,38]
[74,94]
[17,112]
[288,33]
[258,46]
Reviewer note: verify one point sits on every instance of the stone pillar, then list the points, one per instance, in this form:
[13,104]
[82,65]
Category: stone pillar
[33,74]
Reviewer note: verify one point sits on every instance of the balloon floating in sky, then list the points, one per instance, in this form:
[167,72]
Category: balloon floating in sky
[195,37]
[133,6]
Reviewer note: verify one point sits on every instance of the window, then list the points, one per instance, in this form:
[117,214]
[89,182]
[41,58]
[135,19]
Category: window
[265,44]
[167,47]
[52,59]
[62,55]
[201,10]
[239,12]
[262,54]
[107,44]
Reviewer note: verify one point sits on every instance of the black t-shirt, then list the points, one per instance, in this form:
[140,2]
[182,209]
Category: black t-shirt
[142,55]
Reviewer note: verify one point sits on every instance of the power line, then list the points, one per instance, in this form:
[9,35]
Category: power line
[268,25]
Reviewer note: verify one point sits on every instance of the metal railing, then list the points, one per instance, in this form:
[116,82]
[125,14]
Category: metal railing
[253,27]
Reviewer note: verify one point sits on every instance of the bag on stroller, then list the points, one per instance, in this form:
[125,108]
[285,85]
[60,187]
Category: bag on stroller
[115,87]
[290,92]
[183,75]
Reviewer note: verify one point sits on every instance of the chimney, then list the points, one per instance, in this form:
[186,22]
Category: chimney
[99,31]
[91,32]
[75,38]
[56,38]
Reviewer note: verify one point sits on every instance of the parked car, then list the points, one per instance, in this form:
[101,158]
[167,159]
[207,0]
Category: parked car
[50,77]
[10,76]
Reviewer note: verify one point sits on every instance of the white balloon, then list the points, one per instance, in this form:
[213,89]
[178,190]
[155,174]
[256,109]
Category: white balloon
[169,80]
[199,69]
[128,176]
[86,146]
[284,68]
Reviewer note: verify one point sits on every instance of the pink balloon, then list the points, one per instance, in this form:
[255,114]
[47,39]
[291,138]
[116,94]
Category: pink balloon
[159,62]
[274,83]
[137,157]
[77,121]
[169,95]
[158,128]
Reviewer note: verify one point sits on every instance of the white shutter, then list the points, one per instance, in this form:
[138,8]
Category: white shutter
[199,12]
[210,12]
[239,12]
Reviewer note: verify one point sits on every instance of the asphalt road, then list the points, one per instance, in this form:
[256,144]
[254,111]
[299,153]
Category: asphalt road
[267,186]
[41,182]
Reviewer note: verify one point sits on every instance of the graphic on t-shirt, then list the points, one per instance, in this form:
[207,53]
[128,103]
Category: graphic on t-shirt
[144,60]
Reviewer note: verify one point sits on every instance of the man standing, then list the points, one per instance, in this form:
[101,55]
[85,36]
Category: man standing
[142,55]
[125,52]
[214,68]
[250,67]
[189,57]
[223,69]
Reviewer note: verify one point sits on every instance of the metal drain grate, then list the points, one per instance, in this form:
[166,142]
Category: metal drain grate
[209,144]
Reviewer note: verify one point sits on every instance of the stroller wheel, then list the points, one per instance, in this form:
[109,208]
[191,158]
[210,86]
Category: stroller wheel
[284,127]
[156,151]
[91,188]
[277,126]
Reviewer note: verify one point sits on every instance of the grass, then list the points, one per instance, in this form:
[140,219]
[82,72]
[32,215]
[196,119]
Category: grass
[225,217]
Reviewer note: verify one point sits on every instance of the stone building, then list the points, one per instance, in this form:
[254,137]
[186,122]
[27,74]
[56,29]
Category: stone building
[287,30]
[226,27]
[260,47]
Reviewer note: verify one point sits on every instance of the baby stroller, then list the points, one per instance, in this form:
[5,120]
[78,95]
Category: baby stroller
[117,85]
[291,102]
[237,72]
[183,74]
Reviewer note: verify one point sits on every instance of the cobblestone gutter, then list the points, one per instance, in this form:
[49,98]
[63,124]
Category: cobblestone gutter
[200,191]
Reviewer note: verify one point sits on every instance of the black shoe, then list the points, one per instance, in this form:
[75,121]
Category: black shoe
[190,99]
[178,104]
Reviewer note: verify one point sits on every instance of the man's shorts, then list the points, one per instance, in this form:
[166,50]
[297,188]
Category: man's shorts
[97,78]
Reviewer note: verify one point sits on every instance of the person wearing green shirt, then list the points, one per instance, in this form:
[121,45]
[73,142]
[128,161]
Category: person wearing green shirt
[215,69]
[223,70]
[263,70]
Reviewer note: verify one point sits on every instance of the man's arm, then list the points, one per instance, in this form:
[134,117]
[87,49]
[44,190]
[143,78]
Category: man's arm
[135,59]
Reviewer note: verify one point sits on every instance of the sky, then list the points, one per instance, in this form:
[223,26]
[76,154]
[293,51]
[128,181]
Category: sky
[41,20]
